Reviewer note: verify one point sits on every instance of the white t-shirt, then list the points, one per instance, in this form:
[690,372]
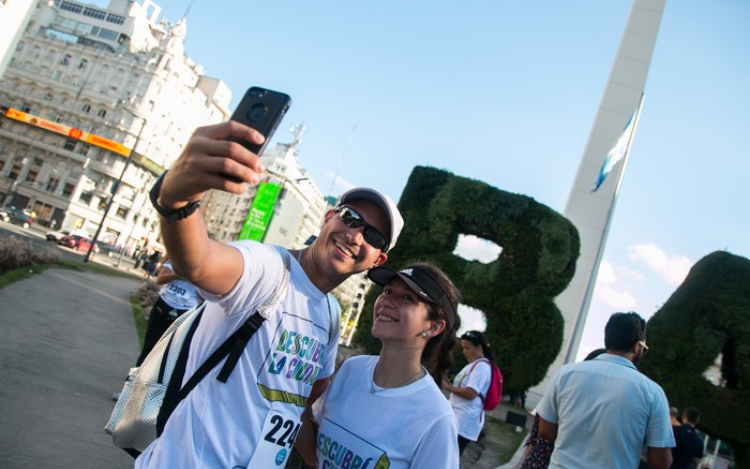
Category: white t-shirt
[407,427]
[220,425]
[470,412]
[179,294]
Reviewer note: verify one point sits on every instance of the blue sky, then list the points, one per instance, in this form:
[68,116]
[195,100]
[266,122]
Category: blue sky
[506,92]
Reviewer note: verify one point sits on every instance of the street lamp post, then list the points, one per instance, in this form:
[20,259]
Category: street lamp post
[114,192]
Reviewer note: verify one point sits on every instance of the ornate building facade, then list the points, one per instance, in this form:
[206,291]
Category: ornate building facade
[95,103]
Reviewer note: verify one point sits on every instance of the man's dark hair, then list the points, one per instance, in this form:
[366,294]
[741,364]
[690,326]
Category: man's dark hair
[623,330]
[692,415]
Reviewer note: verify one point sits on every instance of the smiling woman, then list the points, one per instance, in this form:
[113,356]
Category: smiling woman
[416,322]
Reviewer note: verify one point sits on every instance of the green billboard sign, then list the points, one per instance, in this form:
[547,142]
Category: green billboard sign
[260,212]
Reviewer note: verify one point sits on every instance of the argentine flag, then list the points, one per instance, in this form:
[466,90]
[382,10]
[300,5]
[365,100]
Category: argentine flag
[617,152]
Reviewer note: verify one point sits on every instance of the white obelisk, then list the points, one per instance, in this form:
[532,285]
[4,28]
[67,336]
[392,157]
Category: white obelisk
[591,212]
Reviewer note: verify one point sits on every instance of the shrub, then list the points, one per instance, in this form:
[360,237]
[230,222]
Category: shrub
[16,253]
[146,295]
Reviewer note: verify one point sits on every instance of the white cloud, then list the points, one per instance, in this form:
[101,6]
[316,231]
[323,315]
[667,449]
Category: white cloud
[472,248]
[622,300]
[606,275]
[471,319]
[672,268]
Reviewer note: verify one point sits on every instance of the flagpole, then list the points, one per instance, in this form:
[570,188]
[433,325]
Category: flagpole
[591,283]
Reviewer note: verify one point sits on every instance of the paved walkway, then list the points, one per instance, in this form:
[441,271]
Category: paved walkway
[67,339]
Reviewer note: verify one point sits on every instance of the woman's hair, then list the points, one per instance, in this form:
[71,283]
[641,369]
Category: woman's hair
[477,338]
[437,355]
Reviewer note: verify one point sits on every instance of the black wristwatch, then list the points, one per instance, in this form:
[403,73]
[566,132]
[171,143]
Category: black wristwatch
[171,214]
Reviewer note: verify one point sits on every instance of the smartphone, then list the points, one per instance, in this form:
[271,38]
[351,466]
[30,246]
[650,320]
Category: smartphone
[262,110]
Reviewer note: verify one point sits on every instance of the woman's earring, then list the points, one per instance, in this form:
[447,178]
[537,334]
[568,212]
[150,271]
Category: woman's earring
[424,334]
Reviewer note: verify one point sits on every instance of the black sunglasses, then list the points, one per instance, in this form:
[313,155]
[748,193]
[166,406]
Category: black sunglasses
[352,219]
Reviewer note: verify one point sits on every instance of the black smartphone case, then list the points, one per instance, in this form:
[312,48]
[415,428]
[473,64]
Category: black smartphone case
[262,110]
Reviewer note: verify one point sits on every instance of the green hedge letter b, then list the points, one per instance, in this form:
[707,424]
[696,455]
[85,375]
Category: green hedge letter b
[516,291]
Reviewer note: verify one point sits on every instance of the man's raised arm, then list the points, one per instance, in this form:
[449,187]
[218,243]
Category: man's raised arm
[207,162]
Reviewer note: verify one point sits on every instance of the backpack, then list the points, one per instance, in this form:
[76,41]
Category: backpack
[153,390]
[495,393]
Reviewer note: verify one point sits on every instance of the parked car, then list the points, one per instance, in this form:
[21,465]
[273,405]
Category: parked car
[77,242]
[18,216]
[109,249]
[4,215]
[60,234]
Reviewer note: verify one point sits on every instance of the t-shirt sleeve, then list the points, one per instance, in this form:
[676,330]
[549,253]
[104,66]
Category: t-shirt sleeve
[547,408]
[439,445]
[659,432]
[479,378]
[333,340]
[262,271]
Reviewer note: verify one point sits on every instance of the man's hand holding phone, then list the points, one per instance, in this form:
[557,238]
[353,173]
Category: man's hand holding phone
[210,161]
[226,156]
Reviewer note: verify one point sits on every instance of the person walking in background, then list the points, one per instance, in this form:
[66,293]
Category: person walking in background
[468,386]
[688,451]
[539,450]
[141,258]
[401,417]
[176,296]
[673,413]
[600,413]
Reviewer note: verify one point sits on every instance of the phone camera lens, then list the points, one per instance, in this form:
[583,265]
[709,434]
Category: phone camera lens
[257,92]
[257,112]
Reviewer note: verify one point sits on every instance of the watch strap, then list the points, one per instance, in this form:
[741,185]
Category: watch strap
[172,215]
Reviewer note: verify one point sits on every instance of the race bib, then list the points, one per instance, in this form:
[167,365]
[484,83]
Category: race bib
[276,440]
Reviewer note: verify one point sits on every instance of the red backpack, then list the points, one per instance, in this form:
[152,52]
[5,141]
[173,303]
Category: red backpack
[495,393]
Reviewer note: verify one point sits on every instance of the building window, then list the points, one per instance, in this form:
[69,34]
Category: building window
[57,75]
[68,189]
[94,13]
[86,108]
[66,59]
[19,46]
[108,34]
[102,113]
[122,212]
[52,184]
[14,172]
[83,64]
[86,197]
[68,6]
[26,108]
[70,144]
[31,176]
[116,19]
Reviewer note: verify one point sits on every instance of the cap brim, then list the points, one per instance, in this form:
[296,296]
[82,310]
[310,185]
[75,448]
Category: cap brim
[384,275]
